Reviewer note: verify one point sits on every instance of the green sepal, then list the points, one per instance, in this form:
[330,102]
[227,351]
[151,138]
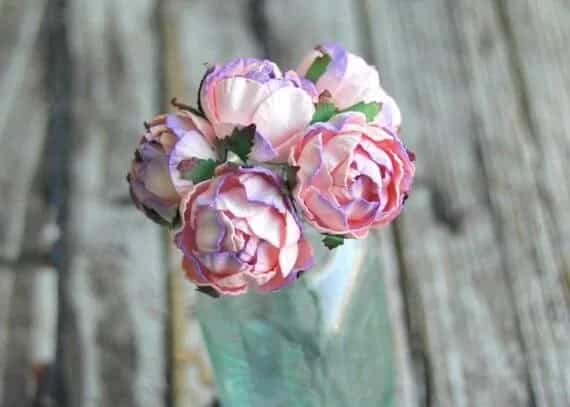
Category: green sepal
[209,291]
[318,68]
[324,111]
[332,241]
[370,110]
[202,169]
[240,142]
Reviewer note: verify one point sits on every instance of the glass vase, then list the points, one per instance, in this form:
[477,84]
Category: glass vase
[324,341]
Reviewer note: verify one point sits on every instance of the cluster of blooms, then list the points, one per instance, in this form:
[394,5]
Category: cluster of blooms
[261,152]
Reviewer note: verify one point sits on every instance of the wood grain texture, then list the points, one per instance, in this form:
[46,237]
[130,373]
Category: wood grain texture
[22,115]
[28,309]
[31,333]
[538,37]
[459,244]
[16,368]
[198,33]
[477,269]
[291,30]
[294,28]
[6,293]
[115,336]
[22,134]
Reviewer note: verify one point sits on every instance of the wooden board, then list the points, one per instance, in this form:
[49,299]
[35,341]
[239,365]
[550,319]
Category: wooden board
[477,268]
[283,32]
[22,135]
[114,334]
[485,289]
[537,36]
[197,33]
[22,115]
[292,29]
[464,340]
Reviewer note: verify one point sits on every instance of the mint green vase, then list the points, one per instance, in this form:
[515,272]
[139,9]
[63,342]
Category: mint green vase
[323,342]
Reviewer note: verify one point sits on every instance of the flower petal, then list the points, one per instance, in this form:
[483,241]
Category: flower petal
[193,271]
[236,100]
[267,224]
[191,145]
[209,230]
[330,218]
[267,257]
[221,263]
[282,115]
[305,258]
[287,258]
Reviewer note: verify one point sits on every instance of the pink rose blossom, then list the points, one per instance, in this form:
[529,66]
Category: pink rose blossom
[251,91]
[239,232]
[171,142]
[350,80]
[353,176]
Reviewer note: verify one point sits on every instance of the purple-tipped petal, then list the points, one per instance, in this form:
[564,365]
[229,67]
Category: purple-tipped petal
[155,178]
[250,91]
[238,232]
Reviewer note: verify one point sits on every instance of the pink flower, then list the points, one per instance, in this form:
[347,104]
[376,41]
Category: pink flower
[239,232]
[350,80]
[251,91]
[352,175]
[171,143]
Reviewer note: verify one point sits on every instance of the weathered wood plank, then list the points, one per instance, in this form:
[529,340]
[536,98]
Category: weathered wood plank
[22,134]
[458,281]
[284,32]
[16,371]
[198,32]
[29,336]
[22,115]
[31,305]
[6,290]
[295,27]
[211,32]
[537,36]
[115,334]
[477,272]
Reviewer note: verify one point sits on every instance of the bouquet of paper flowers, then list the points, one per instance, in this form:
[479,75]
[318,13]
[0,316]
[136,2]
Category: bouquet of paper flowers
[264,153]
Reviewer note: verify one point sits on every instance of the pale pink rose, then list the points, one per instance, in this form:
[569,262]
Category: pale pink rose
[352,176]
[171,143]
[350,80]
[251,91]
[239,233]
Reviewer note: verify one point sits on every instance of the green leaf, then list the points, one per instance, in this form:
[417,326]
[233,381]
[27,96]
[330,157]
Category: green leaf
[332,241]
[241,141]
[200,170]
[318,68]
[370,110]
[323,112]
[209,291]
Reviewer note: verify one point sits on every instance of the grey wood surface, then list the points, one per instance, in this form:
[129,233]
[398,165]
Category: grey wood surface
[187,46]
[452,249]
[115,329]
[23,114]
[294,27]
[478,266]
[539,37]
